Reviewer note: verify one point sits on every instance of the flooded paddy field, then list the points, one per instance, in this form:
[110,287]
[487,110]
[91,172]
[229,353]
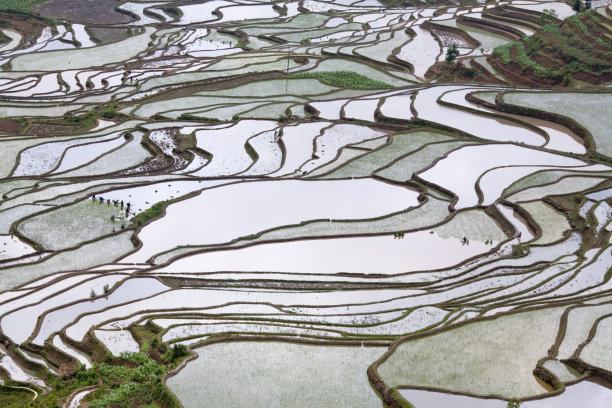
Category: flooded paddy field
[318,203]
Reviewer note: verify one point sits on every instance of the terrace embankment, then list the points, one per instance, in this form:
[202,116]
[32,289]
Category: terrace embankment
[559,54]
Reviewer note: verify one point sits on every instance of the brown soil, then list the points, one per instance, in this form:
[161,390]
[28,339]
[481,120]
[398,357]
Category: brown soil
[557,52]
[109,35]
[458,72]
[9,126]
[30,28]
[151,166]
[85,11]
[38,128]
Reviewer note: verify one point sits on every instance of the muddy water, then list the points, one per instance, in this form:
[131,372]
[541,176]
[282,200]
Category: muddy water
[587,394]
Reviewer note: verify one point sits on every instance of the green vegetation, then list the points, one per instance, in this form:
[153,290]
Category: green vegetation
[346,79]
[461,324]
[152,213]
[519,250]
[18,5]
[559,51]
[187,116]
[548,16]
[156,210]
[86,120]
[61,388]
[133,378]
[13,397]
[452,54]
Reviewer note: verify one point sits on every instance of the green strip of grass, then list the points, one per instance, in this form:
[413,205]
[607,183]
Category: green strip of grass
[347,79]
[18,5]
[157,210]
[152,213]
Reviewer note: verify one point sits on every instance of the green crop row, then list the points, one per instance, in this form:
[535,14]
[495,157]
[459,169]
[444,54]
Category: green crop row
[18,5]
[346,79]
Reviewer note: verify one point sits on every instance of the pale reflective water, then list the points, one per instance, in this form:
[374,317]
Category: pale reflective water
[587,394]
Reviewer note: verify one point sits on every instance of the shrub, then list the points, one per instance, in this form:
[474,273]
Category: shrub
[451,54]
[178,351]
[503,51]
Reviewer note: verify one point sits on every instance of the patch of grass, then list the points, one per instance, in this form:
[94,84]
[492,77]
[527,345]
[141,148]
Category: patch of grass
[145,369]
[133,379]
[346,79]
[61,388]
[90,119]
[503,52]
[558,51]
[18,5]
[152,213]
[156,210]
[13,397]
[187,116]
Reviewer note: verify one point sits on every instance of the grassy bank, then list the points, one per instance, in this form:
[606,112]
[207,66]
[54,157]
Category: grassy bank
[346,79]
[18,5]
[576,48]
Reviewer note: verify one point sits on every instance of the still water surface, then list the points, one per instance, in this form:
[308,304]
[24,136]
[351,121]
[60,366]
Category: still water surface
[588,394]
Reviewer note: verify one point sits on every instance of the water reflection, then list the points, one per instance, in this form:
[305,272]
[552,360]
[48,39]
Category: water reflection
[590,393]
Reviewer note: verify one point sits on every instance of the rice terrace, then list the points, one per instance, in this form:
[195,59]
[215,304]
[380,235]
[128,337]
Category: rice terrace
[313,203]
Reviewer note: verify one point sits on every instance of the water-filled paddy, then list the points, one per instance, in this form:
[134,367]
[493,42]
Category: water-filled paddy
[273,204]
[585,392]
[221,174]
[271,374]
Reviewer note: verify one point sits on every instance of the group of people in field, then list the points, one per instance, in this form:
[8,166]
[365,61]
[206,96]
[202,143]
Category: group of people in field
[116,203]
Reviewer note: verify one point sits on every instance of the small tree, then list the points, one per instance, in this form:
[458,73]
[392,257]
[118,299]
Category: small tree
[178,351]
[577,6]
[452,53]
[548,16]
[587,4]
[92,294]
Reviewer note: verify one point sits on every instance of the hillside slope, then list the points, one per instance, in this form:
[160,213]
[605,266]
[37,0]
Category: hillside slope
[577,48]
